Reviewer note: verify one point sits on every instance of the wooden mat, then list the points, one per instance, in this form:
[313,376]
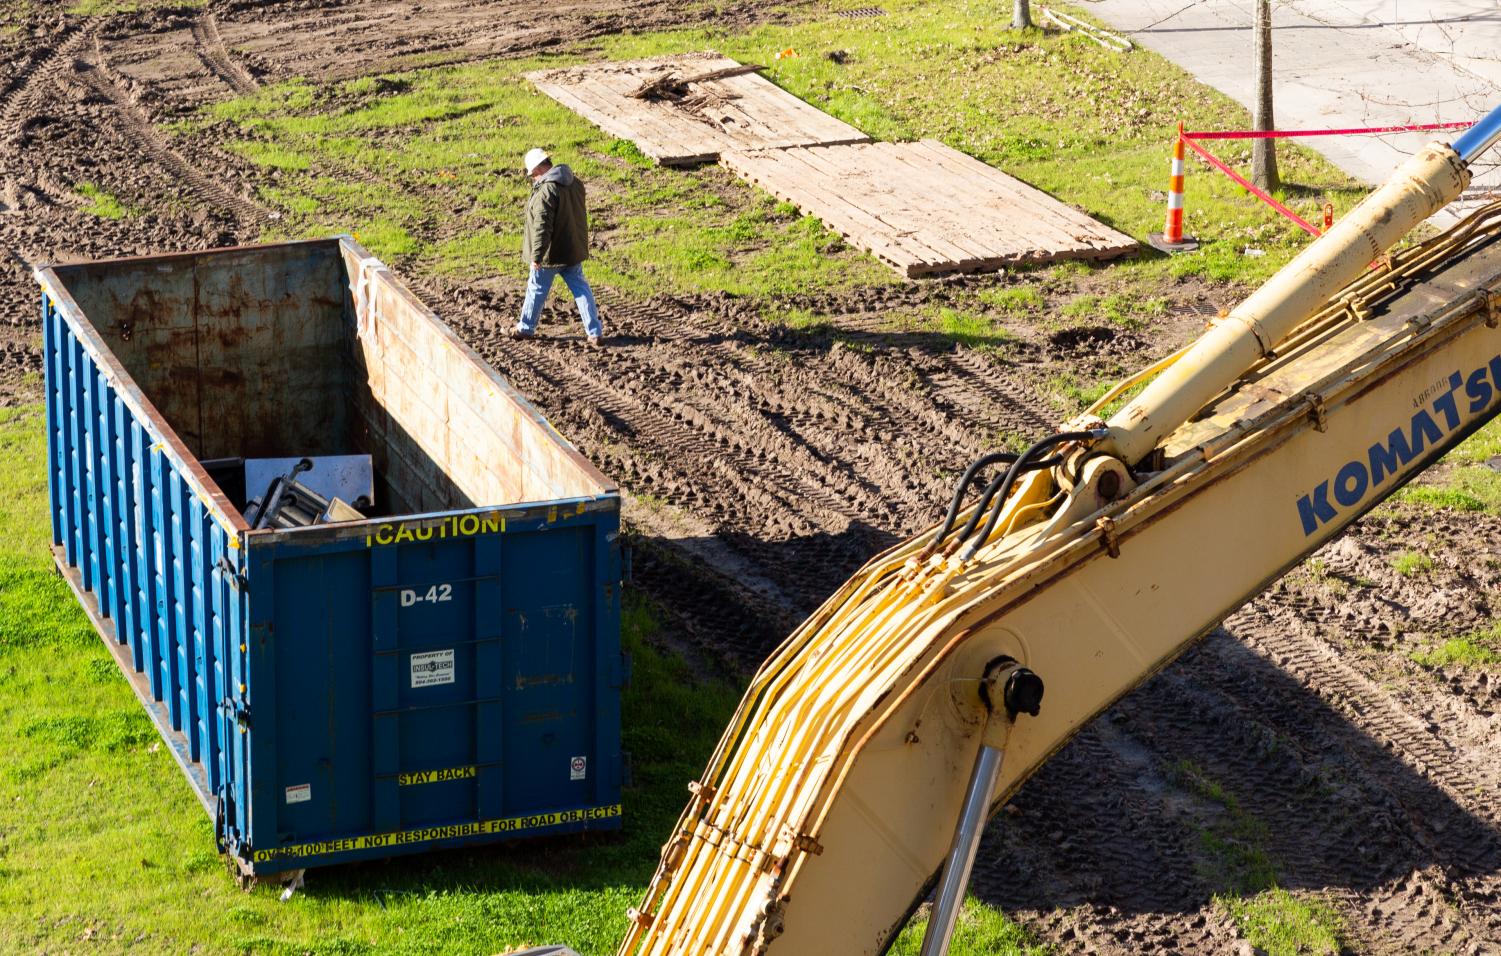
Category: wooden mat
[745,112]
[925,208]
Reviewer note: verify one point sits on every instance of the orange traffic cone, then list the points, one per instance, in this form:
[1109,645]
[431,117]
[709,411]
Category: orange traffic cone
[1171,238]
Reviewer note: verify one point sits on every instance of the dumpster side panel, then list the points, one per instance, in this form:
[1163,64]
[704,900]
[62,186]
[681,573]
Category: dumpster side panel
[472,440]
[133,528]
[458,682]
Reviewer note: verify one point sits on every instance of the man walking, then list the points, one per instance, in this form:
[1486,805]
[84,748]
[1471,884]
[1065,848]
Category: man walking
[556,243]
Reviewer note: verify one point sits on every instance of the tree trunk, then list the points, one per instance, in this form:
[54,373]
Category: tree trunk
[1264,151]
[1021,16]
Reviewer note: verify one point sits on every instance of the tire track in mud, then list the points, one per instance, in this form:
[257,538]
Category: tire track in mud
[795,455]
[656,410]
[211,50]
[139,129]
[926,394]
[26,95]
[1002,392]
[1276,634]
[1405,846]
[847,424]
[1446,821]
[1340,812]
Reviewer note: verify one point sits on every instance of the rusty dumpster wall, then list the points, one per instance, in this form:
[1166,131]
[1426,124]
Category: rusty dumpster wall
[234,348]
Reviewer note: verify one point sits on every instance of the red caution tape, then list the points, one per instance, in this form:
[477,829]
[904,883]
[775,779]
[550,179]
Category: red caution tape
[1284,133]
[1245,183]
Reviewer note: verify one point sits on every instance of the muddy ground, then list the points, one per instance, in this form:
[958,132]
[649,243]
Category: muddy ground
[763,465]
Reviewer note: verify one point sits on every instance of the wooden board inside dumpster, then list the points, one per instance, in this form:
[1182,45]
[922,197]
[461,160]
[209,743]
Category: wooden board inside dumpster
[925,208]
[744,111]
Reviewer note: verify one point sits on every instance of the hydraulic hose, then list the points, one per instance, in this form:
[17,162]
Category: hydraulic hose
[990,492]
[962,489]
[1026,461]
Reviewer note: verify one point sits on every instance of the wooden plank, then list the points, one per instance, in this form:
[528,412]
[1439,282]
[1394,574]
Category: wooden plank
[986,214]
[652,135]
[945,205]
[1038,200]
[875,190]
[867,225]
[788,175]
[1063,218]
[926,208]
[1011,230]
[744,111]
[768,170]
[948,210]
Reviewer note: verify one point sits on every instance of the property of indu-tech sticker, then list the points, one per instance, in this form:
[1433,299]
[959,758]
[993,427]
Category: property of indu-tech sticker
[431,668]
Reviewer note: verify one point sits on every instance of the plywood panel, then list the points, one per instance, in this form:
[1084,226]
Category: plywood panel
[925,208]
[736,112]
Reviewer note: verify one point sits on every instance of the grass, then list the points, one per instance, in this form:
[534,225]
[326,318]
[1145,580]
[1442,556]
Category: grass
[1233,859]
[981,931]
[1412,563]
[99,8]
[966,328]
[104,848]
[1462,651]
[103,841]
[423,163]
[1018,298]
[423,168]
[1071,396]
[1479,650]
[1281,924]
[1123,309]
[101,203]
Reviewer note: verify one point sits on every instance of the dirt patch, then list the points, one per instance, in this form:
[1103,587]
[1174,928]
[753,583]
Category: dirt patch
[764,463]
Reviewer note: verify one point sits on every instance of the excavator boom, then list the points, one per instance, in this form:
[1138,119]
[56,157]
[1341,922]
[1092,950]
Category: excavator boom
[1087,563]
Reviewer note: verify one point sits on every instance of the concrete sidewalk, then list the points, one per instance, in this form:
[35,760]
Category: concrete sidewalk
[1341,63]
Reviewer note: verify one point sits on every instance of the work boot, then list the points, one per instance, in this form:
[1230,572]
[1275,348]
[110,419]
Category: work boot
[517,332]
[596,341]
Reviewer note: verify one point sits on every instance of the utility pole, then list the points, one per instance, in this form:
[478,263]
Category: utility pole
[1021,16]
[1263,151]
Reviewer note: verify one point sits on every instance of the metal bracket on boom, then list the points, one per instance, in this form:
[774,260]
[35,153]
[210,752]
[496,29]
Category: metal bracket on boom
[1109,539]
[1318,412]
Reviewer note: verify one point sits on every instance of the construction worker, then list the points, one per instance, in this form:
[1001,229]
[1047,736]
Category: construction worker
[555,243]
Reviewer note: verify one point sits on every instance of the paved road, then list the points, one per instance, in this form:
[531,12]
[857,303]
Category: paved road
[1339,63]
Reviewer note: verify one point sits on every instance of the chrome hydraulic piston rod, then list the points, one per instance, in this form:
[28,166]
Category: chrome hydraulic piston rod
[961,859]
[1422,186]
[1007,690]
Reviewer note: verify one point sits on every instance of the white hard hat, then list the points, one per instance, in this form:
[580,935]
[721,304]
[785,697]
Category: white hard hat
[535,157]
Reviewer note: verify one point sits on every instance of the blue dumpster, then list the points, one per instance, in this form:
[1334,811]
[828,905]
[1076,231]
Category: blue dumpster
[441,668]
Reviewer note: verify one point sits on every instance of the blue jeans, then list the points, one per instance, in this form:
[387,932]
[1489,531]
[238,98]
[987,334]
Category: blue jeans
[539,284]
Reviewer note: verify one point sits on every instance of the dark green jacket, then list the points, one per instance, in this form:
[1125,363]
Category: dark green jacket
[557,223]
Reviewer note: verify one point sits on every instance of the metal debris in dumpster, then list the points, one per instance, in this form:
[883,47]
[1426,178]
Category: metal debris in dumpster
[439,669]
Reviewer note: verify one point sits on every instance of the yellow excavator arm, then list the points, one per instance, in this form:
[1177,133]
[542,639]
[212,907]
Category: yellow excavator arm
[872,746]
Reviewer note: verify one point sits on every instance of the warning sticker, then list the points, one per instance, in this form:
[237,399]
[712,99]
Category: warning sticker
[426,834]
[301,793]
[578,768]
[431,668]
